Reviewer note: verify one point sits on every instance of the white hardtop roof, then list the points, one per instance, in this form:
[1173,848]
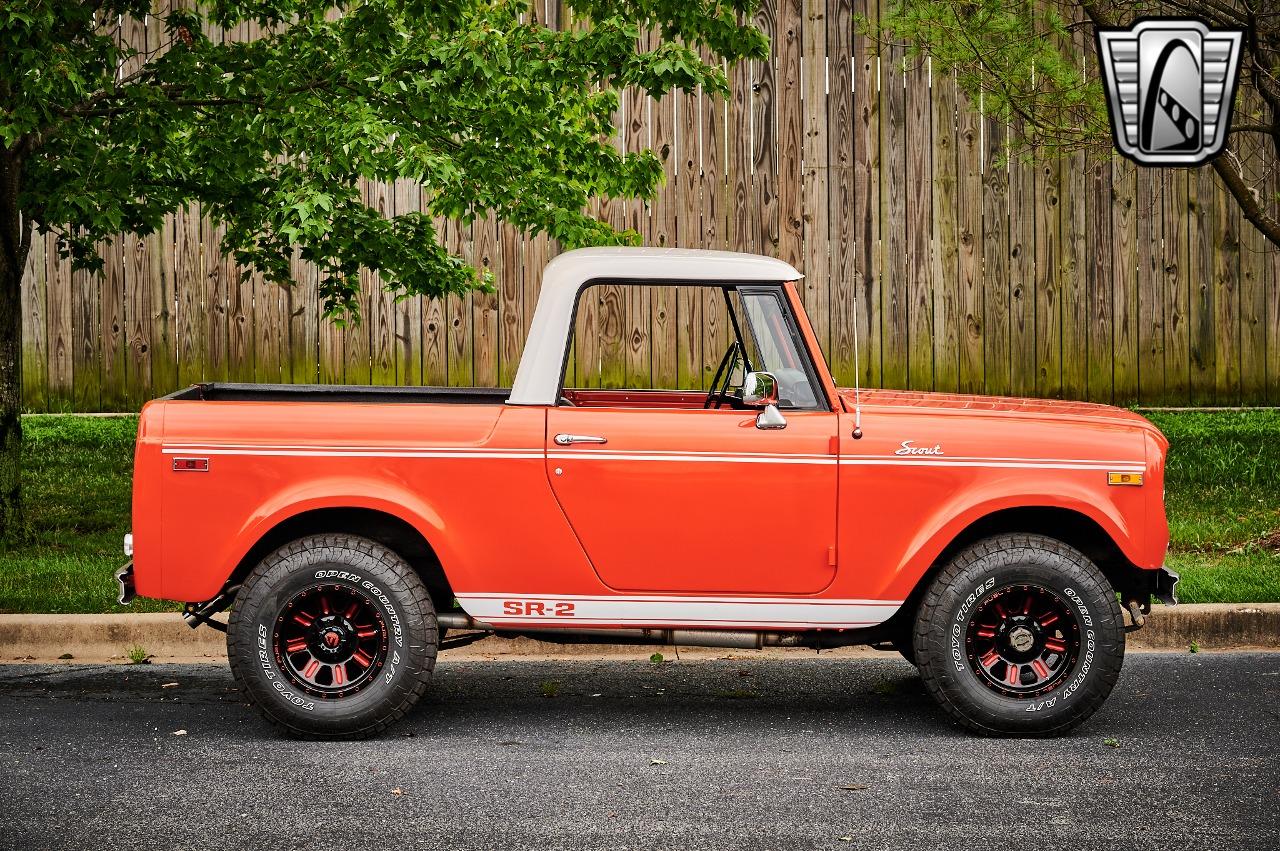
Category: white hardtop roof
[538,378]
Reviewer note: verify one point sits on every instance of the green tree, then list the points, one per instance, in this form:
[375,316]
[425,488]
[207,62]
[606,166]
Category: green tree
[1022,57]
[478,100]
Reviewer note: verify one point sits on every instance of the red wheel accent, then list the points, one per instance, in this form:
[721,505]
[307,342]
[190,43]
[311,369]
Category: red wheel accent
[1019,654]
[324,628]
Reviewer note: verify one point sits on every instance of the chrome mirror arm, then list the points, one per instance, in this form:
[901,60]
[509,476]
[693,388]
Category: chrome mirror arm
[770,418]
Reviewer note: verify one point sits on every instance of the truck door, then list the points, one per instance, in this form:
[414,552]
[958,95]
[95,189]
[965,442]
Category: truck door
[667,495]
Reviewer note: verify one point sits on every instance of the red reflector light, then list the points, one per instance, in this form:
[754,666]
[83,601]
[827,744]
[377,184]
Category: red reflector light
[191,465]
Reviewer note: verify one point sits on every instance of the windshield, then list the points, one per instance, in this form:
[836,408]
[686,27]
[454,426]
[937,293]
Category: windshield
[771,347]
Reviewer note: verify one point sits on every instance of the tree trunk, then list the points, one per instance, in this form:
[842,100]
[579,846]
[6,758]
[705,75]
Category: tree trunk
[15,241]
[10,399]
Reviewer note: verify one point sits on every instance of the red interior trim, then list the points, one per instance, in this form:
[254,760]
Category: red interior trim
[679,399]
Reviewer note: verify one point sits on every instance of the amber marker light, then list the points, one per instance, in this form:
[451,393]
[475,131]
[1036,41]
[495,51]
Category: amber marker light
[1124,478]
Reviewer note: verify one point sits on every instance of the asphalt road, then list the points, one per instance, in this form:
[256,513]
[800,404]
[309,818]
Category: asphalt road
[770,754]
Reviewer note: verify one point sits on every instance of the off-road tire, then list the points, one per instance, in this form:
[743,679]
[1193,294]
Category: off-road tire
[350,565]
[1017,565]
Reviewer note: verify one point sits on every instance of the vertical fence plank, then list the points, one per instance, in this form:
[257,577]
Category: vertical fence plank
[1124,270]
[764,134]
[1226,297]
[1022,230]
[995,257]
[484,321]
[789,181]
[841,224]
[87,359]
[944,304]
[715,322]
[1271,263]
[741,235]
[35,328]
[101,298]
[381,316]
[1253,252]
[302,307]
[1048,268]
[969,246]
[610,334]
[164,299]
[691,368]
[811,209]
[894,293]
[1099,297]
[61,347]
[510,306]
[162,345]
[458,313]
[139,271]
[1175,288]
[1149,289]
[639,365]
[191,323]
[435,328]
[867,200]
[1075,236]
[923,210]
[662,232]
[216,300]
[1075,298]
[1200,192]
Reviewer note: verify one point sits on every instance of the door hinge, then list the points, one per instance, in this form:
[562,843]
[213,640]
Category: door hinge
[833,446]
[831,556]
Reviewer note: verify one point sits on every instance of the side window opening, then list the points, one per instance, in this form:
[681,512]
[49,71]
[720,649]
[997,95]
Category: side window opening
[652,346]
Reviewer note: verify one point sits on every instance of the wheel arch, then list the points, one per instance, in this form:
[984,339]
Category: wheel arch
[391,530]
[1070,526]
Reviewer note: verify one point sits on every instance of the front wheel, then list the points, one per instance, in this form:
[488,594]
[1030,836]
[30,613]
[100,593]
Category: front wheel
[333,636]
[1019,635]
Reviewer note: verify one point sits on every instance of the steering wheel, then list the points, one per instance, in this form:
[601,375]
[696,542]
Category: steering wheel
[717,394]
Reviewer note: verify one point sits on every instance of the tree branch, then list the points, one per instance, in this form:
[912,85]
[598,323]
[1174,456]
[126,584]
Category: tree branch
[1249,205]
[1265,129]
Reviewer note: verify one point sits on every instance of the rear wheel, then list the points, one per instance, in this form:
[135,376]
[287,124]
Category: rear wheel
[1019,635]
[333,636]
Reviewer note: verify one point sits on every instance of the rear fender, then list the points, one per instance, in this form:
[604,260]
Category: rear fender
[336,492]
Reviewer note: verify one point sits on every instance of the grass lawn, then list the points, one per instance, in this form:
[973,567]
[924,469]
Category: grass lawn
[1223,496]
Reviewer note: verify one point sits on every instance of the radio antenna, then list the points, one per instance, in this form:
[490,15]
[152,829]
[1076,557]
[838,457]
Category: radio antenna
[857,371]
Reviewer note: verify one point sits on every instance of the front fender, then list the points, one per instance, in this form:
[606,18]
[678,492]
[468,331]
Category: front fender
[952,517]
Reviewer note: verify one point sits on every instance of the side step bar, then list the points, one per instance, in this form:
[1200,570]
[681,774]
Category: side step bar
[736,639]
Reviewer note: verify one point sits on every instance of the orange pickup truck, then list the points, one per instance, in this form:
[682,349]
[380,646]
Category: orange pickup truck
[354,532]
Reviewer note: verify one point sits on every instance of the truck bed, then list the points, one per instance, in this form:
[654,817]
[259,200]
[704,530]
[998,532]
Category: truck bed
[379,395]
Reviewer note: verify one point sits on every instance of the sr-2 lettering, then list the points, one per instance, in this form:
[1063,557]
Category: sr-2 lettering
[536,609]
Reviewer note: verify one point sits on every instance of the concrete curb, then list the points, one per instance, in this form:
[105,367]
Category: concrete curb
[165,637]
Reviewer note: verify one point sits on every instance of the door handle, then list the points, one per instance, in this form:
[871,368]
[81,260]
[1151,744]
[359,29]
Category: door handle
[570,439]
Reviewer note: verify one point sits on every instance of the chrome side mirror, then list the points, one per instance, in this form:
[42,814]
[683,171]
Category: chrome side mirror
[760,390]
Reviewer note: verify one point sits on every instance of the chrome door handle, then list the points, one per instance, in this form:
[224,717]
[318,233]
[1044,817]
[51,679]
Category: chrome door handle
[570,439]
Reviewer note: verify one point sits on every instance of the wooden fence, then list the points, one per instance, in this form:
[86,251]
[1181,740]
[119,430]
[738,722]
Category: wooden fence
[1064,277]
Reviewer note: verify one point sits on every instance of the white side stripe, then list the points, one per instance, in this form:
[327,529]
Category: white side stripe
[360,453]
[297,451]
[589,455]
[1029,464]
[710,612]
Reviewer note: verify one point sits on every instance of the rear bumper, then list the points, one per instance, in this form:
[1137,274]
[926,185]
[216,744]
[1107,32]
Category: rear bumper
[124,581]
